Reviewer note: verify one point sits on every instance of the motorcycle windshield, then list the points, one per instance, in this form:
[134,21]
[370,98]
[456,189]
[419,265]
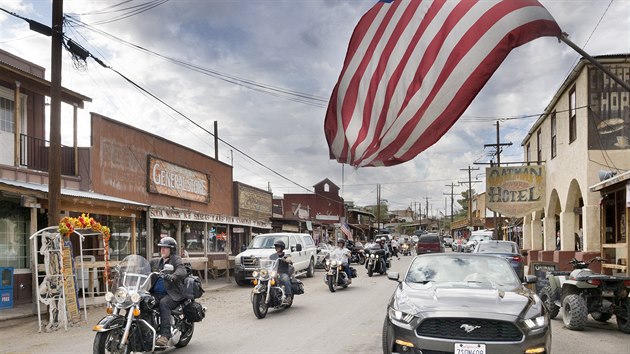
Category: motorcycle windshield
[268,264]
[133,274]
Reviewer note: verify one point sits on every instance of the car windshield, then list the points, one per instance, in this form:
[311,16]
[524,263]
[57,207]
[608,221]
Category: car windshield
[497,247]
[429,239]
[474,270]
[267,241]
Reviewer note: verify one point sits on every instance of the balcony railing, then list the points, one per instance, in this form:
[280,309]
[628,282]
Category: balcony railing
[34,155]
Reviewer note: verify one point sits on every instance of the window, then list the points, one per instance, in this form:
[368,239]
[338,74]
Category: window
[14,242]
[539,147]
[528,153]
[554,151]
[7,123]
[572,116]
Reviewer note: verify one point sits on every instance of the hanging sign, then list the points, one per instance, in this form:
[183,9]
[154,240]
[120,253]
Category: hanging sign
[69,286]
[515,191]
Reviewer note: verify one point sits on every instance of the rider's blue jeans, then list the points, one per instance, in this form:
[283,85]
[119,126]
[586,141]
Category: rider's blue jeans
[286,280]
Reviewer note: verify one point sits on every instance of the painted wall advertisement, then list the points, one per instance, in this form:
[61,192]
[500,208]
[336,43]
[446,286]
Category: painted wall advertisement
[176,181]
[515,191]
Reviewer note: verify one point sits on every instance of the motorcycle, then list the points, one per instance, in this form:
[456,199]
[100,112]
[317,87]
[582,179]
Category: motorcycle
[133,318]
[357,255]
[335,275]
[376,262]
[582,292]
[406,249]
[268,290]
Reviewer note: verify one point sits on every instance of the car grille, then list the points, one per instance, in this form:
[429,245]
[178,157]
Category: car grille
[453,328]
[249,261]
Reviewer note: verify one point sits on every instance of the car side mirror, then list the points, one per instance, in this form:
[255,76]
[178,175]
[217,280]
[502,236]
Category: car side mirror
[292,248]
[168,268]
[393,276]
[531,279]
[298,248]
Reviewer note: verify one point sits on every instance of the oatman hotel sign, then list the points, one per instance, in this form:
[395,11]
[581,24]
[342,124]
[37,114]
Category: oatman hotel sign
[169,179]
[515,191]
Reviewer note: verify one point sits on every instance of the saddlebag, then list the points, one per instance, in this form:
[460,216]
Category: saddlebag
[194,312]
[297,287]
[353,272]
[192,287]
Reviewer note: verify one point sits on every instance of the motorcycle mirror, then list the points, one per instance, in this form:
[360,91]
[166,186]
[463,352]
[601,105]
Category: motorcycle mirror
[168,268]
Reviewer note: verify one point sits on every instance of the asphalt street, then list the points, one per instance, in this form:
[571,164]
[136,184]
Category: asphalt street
[347,321]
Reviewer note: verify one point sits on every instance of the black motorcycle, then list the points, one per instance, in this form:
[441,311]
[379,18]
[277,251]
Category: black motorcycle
[376,262]
[133,319]
[335,275]
[357,255]
[269,292]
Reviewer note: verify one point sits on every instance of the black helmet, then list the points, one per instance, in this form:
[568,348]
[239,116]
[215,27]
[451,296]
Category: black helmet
[340,240]
[168,242]
[280,244]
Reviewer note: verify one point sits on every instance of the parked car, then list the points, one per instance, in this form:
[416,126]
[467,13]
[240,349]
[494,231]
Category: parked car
[475,238]
[447,241]
[464,303]
[300,246]
[429,243]
[506,249]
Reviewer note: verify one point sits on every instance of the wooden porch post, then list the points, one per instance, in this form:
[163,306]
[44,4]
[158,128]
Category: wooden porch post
[17,109]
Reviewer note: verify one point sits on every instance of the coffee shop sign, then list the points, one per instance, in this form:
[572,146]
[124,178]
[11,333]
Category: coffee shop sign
[175,214]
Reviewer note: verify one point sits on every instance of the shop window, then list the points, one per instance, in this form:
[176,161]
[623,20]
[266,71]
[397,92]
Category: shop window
[14,242]
[554,150]
[193,237]
[217,237]
[162,228]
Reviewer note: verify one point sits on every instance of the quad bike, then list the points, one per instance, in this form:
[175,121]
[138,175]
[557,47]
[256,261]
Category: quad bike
[582,292]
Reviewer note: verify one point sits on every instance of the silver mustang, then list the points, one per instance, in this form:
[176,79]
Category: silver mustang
[464,304]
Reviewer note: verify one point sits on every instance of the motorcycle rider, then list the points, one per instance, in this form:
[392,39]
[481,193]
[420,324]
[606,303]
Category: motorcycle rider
[383,246]
[395,247]
[343,253]
[167,288]
[283,267]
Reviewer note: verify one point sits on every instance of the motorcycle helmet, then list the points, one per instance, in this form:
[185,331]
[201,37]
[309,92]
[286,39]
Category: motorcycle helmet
[168,242]
[340,240]
[279,244]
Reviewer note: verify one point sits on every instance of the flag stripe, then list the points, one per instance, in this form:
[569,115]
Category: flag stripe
[413,68]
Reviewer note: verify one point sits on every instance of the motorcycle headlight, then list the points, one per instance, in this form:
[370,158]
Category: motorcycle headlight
[264,273]
[328,262]
[372,256]
[399,316]
[535,322]
[334,263]
[135,297]
[377,256]
[255,274]
[109,296]
[121,295]
[273,273]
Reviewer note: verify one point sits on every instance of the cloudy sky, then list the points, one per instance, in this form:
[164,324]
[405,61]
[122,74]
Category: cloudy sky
[242,48]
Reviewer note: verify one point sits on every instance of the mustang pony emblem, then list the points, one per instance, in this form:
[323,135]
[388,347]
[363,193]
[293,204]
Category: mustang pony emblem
[468,328]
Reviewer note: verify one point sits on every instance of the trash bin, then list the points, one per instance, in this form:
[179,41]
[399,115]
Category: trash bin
[6,288]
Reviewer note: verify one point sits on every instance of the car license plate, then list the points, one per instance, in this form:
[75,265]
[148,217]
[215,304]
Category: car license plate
[470,348]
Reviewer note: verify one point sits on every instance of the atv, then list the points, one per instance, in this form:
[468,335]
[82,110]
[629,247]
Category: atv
[582,292]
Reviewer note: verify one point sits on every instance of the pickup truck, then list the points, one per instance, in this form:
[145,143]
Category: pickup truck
[300,246]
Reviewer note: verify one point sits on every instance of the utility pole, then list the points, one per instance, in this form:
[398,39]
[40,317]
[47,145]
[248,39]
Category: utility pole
[498,147]
[452,194]
[378,208]
[427,207]
[54,152]
[470,182]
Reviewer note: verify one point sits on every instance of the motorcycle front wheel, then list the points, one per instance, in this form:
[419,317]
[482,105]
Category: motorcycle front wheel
[104,342]
[260,307]
[331,284]
[187,333]
[370,271]
[361,259]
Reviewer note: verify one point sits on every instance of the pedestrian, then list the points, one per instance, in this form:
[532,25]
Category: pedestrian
[557,240]
[578,246]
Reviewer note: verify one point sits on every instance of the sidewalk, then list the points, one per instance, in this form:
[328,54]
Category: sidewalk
[28,312]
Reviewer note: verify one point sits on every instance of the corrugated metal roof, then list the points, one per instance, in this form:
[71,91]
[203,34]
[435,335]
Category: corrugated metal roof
[609,182]
[70,192]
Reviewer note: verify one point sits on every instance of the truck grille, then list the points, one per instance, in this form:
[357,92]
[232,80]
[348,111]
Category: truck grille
[453,328]
[249,262]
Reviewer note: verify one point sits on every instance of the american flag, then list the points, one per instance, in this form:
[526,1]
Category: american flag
[412,69]
[346,230]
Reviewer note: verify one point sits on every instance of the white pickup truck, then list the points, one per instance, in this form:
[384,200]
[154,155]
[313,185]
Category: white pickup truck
[300,246]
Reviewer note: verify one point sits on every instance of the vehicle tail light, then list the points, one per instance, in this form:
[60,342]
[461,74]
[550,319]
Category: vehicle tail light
[594,282]
[517,259]
[626,283]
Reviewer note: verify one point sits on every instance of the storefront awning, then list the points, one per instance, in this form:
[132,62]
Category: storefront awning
[190,215]
[70,192]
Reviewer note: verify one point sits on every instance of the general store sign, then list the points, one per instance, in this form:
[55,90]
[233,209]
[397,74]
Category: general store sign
[515,191]
[169,179]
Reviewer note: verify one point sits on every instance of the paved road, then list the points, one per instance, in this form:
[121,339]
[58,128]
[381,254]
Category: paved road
[348,321]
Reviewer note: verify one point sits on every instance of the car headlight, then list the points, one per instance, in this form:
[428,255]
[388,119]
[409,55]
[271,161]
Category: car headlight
[255,274]
[399,316]
[121,295]
[535,322]
[109,296]
[135,297]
